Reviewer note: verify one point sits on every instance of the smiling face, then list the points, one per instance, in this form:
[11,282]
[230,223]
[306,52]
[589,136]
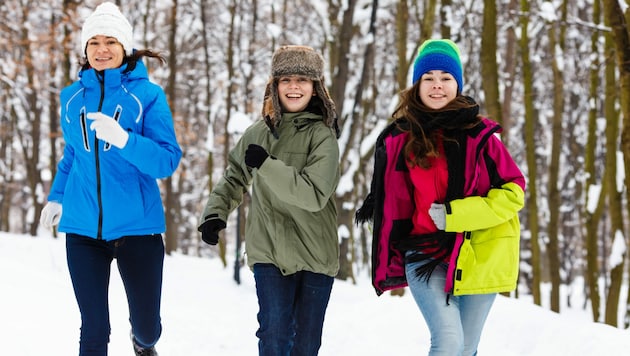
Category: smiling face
[437,88]
[295,92]
[104,52]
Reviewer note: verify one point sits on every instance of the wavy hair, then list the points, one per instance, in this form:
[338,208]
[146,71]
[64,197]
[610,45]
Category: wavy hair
[427,127]
[131,60]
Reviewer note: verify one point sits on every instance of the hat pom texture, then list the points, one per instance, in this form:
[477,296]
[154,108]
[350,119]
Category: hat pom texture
[441,55]
[107,20]
[297,60]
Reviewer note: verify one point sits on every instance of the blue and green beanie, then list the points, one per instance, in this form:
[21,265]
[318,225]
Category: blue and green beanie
[439,55]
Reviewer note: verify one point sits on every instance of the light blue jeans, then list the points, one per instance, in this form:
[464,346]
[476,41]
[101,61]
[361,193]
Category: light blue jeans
[455,322]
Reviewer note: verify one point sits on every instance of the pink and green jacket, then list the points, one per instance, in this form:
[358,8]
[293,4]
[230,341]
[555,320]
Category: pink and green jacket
[486,190]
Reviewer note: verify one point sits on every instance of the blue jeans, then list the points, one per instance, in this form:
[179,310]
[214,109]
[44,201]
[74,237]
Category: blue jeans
[291,311]
[455,323]
[140,261]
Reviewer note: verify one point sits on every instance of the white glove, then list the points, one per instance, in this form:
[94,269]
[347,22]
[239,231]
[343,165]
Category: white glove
[51,214]
[438,214]
[108,129]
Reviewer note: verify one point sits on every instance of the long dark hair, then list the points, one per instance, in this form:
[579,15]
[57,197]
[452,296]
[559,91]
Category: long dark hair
[131,60]
[427,126]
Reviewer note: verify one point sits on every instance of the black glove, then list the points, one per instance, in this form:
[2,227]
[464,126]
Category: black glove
[255,155]
[210,230]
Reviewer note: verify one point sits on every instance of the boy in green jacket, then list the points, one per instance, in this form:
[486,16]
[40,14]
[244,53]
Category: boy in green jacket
[291,160]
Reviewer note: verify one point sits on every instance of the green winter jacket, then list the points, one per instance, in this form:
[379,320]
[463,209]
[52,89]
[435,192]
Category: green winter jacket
[292,218]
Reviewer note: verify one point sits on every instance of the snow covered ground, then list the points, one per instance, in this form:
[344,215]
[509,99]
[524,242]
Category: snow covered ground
[205,312]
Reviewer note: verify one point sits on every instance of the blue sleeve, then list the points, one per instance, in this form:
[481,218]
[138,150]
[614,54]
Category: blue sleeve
[155,151]
[61,177]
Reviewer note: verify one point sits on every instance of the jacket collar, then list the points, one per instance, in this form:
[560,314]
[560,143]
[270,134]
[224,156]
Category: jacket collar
[112,77]
[301,119]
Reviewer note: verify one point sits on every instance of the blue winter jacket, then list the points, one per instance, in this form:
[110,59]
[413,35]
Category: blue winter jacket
[107,192]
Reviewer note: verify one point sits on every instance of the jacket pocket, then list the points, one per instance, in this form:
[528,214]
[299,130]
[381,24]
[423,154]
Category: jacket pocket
[488,261]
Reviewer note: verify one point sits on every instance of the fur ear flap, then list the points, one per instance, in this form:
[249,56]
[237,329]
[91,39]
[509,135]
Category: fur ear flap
[330,114]
[271,107]
[268,109]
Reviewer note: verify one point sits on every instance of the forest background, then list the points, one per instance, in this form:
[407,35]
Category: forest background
[555,74]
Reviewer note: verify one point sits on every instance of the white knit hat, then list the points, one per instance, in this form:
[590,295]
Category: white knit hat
[107,20]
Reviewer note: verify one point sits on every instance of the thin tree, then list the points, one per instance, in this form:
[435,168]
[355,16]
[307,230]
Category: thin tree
[530,144]
[489,66]
[230,62]
[170,196]
[556,50]
[592,215]
[509,68]
[613,193]
[29,106]
[339,62]
[339,47]
[357,117]
[618,21]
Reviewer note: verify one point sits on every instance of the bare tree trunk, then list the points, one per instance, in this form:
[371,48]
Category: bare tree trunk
[613,192]
[592,217]
[339,64]
[532,164]
[402,21]
[618,21]
[445,28]
[229,102]
[53,98]
[489,67]
[345,213]
[555,40]
[6,126]
[510,69]
[339,48]
[6,130]
[30,139]
[208,93]
[170,196]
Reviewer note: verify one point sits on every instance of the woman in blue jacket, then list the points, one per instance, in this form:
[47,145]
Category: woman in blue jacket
[119,139]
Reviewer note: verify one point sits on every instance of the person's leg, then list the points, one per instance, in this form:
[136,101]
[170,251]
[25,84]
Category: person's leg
[276,298]
[440,312]
[474,311]
[89,262]
[140,263]
[311,302]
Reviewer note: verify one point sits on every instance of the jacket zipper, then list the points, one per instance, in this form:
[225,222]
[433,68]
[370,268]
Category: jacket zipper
[99,233]
[467,234]
[457,273]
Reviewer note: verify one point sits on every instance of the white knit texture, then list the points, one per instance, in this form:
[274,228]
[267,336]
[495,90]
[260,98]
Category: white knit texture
[107,20]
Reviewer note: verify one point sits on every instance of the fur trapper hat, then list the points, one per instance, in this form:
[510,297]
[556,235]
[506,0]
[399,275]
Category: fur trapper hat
[297,60]
[107,20]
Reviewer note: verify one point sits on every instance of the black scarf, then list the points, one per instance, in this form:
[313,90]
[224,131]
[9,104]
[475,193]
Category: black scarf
[447,120]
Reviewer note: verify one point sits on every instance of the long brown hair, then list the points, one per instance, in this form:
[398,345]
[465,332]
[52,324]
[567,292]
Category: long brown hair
[426,126]
[131,60]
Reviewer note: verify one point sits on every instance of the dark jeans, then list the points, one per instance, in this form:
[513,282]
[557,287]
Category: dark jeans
[140,260]
[292,309]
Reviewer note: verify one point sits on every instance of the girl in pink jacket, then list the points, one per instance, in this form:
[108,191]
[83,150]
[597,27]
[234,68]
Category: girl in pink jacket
[444,204]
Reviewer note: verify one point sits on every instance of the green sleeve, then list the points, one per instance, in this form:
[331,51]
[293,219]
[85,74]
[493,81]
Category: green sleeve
[227,194]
